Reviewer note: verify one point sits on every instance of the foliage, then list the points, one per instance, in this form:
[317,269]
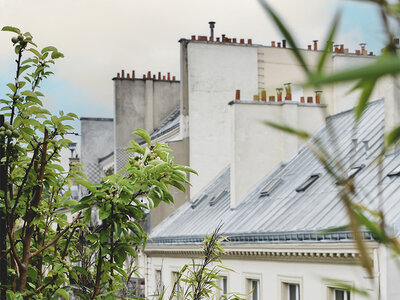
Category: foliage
[200,280]
[365,78]
[50,247]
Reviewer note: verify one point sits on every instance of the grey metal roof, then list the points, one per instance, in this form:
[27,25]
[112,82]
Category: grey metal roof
[169,123]
[287,215]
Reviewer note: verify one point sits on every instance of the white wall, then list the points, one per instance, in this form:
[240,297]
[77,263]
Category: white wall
[214,73]
[312,275]
[258,149]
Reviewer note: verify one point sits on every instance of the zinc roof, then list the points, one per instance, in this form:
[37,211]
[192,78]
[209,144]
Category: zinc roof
[287,215]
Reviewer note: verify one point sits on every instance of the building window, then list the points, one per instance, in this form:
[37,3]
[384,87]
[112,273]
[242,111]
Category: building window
[254,289]
[293,291]
[339,294]
[178,287]
[158,282]
[223,284]
[308,183]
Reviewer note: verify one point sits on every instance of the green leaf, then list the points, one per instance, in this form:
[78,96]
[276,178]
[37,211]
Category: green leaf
[70,202]
[10,28]
[283,29]
[49,48]
[143,134]
[392,137]
[86,184]
[37,53]
[300,133]
[63,293]
[104,212]
[12,87]
[29,93]
[56,55]
[367,89]
[92,237]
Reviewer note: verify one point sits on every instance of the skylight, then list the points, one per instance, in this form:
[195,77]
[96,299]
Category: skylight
[216,198]
[395,172]
[308,183]
[267,190]
[354,170]
[198,200]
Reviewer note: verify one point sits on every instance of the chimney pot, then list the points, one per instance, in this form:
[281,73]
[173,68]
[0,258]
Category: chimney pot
[128,75]
[133,74]
[358,52]
[223,38]
[341,48]
[273,44]
[123,73]
[218,39]
[159,75]
[271,98]
[148,74]
[211,39]
[169,76]
[249,41]
[288,91]
[309,99]
[318,97]
[279,94]
[315,45]
[242,41]
[234,40]
[173,78]
[371,53]
[256,98]
[163,78]
[279,44]
[283,43]
[264,95]
[144,76]
[118,76]
[237,96]
[154,76]
[212,25]
[193,37]
[308,47]
[302,99]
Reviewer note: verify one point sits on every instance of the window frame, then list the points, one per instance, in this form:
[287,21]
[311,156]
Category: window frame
[284,283]
[330,287]
[251,277]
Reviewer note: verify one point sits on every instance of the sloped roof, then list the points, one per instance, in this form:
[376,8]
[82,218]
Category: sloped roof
[169,123]
[288,215]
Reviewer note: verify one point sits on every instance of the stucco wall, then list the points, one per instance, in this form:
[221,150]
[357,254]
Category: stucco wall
[313,276]
[97,140]
[214,72]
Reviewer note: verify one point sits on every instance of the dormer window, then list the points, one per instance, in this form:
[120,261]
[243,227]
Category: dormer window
[395,172]
[354,170]
[218,197]
[267,190]
[198,200]
[308,183]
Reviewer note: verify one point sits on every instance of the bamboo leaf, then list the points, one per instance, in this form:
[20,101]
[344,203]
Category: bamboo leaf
[328,45]
[392,137]
[300,133]
[367,89]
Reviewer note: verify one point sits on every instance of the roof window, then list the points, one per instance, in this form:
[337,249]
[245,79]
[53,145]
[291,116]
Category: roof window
[395,172]
[267,190]
[198,200]
[218,197]
[308,183]
[354,170]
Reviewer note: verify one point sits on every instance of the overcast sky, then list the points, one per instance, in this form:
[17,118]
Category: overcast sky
[101,37]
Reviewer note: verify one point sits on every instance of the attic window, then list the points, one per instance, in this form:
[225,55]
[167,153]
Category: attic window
[308,183]
[216,198]
[354,170]
[267,190]
[395,172]
[198,200]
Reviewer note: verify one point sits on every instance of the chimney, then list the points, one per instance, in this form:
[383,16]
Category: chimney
[163,78]
[264,95]
[288,91]
[173,78]
[283,43]
[133,74]
[302,99]
[223,38]
[309,47]
[159,75]
[279,94]
[168,76]
[144,76]
[234,40]
[127,75]
[363,52]
[341,48]
[242,41]
[154,76]
[315,45]
[309,99]
[218,40]
[273,44]
[271,98]
[211,39]
[123,73]
[318,97]
[118,76]
[212,26]
[358,52]
[148,74]
[249,41]
[237,96]
[279,44]
[336,48]
[193,37]
[256,98]
[371,53]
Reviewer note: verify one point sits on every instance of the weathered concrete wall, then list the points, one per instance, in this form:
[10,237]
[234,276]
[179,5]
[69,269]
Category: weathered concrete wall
[140,103]
[97,140]
[214,72]
[181,156]
[258,149]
